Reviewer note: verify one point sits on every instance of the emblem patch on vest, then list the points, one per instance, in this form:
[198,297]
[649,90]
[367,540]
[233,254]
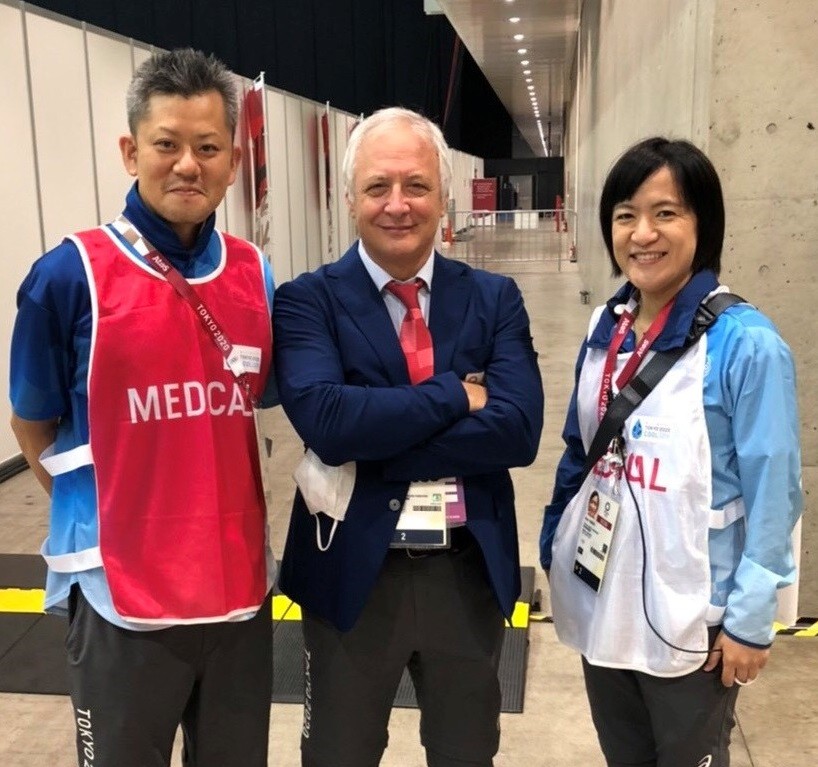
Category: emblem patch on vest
[651,429]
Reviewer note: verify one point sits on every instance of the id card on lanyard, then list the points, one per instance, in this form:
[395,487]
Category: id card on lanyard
[602,509]
[422,521]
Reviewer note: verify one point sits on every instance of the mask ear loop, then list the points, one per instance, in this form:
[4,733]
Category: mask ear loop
[318,534]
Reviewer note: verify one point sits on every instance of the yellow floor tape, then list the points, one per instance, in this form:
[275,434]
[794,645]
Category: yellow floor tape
[22,600]
[284,609]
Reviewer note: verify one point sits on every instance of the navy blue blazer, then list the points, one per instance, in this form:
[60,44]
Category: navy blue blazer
[344,385]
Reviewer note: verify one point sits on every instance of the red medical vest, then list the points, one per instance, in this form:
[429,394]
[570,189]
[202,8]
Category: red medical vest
[182,520]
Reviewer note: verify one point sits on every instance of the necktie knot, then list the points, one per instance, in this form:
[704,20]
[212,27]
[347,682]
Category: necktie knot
[406,292]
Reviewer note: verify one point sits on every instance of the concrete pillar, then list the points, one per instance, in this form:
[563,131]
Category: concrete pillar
[763,139]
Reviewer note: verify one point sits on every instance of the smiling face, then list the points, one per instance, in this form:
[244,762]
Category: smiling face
[654,238]
[396,198]
[184,159]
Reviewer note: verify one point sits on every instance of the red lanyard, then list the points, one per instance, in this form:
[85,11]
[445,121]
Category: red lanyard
[632,365]
[186,291]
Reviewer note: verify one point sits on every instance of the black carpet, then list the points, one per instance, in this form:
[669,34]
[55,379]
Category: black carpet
[32,654]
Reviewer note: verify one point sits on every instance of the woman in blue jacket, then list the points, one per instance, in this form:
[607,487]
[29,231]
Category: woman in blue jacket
[670,593]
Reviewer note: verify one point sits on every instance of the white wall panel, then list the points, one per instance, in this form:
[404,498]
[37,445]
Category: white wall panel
[635,80]
[62,127]
[342,231]
[109,72]
[279,187]
[325,158]
[347,226]
[18,196]
[310,126]
[296,182]
[141,53]
[235,214]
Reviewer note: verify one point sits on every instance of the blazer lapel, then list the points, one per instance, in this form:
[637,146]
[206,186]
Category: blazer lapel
[451,293]
[354,289]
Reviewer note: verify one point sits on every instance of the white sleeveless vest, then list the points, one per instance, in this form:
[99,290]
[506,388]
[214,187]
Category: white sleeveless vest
[668,463]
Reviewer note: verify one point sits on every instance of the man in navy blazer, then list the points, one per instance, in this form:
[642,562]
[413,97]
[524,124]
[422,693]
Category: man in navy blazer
[372,605]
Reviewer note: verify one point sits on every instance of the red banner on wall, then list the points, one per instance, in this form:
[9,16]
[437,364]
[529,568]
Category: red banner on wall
[484,194]
[254,114]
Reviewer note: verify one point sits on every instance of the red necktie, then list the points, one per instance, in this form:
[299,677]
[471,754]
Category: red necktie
[415,339]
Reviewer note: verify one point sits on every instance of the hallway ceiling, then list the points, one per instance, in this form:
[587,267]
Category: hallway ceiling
[549,29]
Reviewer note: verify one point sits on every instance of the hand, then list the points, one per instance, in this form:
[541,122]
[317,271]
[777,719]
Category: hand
[739,663]
[477,394]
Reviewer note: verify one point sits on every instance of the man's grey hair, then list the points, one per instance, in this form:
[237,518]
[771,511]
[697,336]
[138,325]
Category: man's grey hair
[183,72]
[398,116]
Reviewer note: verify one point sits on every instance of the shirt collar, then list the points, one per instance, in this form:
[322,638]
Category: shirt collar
[697,288]
[380,277]
[159,233]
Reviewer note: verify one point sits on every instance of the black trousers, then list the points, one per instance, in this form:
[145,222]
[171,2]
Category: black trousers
[435,615]
[649,721]
[130,690]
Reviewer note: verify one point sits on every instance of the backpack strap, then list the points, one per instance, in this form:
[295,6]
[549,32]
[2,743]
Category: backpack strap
[642,384]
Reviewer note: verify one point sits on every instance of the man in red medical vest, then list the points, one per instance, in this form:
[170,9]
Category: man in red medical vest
[139,353]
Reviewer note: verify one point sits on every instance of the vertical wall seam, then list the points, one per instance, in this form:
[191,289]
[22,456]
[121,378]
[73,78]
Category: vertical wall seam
[289,187]
[94,168]
[33,124]
[305,154]
[268,163]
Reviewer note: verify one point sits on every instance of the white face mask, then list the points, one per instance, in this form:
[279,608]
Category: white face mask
[325,489]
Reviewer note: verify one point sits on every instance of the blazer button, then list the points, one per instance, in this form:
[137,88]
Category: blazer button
[395,505]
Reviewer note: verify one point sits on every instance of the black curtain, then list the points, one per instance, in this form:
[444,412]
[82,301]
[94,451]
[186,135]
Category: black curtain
[357,54]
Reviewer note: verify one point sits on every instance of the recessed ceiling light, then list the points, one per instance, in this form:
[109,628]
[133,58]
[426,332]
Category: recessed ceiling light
[514,19]
[530,87]
[524,62]
[519,37]
[528,80]
[522,51]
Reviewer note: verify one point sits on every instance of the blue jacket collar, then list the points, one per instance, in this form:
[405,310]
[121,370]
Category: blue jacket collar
[681,317]
[158,232]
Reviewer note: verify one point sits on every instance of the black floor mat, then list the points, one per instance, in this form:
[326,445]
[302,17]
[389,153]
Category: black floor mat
[32,653]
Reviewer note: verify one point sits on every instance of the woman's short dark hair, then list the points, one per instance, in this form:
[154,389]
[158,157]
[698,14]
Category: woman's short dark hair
[698,185]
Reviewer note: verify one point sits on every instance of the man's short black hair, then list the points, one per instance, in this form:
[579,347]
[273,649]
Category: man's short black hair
[182,72]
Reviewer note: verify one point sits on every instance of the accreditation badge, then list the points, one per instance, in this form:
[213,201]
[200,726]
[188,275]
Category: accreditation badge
[595,537]
[422,521]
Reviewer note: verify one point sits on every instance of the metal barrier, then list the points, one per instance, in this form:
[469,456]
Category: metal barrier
[502,239]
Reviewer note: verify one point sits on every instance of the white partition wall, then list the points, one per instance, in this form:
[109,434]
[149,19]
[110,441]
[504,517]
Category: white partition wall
[311,147]
[342,230]
[62,127]
[296,183]
[235,214]
[110,67]
[18,194]
[463,171]
[140,53]
[279,193]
